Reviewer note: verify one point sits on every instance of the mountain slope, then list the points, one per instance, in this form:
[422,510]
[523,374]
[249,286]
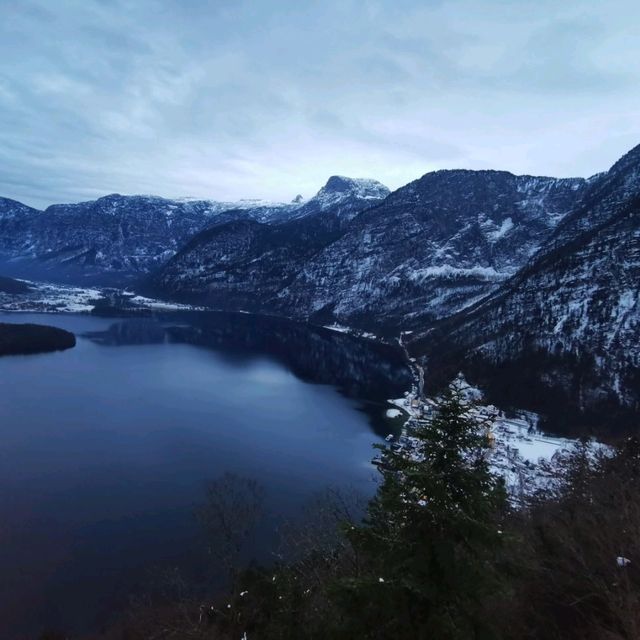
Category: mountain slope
[14,230]
[112,239]
[565,331]
[244,264]
[431,248]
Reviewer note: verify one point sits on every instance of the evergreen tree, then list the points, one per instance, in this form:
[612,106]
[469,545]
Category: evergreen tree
[428,546]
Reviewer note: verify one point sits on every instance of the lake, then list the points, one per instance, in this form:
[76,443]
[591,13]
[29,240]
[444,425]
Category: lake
[105,449]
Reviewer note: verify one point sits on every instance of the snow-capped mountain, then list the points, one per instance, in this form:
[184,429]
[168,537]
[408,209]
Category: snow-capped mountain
[14,233]
[113,238]
[425,251]
[117,238]
[431,248]
[565,330]
[244,264]
[340,196]
[333,193]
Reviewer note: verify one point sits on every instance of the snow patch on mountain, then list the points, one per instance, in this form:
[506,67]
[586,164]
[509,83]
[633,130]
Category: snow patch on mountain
[503,230]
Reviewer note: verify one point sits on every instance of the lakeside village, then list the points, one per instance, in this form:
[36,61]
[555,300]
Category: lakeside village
[518,449]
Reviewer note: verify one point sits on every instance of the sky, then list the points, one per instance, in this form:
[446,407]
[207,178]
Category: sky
[266,99]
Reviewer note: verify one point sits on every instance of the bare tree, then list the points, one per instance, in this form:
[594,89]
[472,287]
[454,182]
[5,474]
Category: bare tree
[233,507]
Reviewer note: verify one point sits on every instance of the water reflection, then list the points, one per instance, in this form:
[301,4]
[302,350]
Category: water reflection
[361,369]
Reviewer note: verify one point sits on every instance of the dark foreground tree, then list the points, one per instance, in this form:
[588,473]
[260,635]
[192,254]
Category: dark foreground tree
[233,507]
[427,550]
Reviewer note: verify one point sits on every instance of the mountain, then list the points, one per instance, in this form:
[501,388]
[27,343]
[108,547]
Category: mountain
[244,264]
[113,239]
[14,232]
[430,248]
[344,197]
[564,331]
[425,251]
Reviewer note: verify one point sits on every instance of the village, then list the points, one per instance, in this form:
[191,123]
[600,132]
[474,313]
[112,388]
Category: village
[519,451]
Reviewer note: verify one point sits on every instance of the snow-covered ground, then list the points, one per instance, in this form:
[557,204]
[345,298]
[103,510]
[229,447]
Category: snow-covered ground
[162,305]
[45,297]
[340,328]
[51,298]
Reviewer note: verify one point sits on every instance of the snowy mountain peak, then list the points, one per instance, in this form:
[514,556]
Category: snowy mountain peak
[359,187]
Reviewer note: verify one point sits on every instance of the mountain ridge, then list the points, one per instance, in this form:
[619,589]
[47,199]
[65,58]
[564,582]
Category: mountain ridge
[118,239]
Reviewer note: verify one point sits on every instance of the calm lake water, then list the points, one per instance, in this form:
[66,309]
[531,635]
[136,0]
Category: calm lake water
[105,449]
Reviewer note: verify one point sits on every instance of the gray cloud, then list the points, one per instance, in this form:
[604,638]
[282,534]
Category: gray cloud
[266,99]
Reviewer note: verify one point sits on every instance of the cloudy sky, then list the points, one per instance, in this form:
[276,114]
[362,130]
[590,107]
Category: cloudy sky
[230,99]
